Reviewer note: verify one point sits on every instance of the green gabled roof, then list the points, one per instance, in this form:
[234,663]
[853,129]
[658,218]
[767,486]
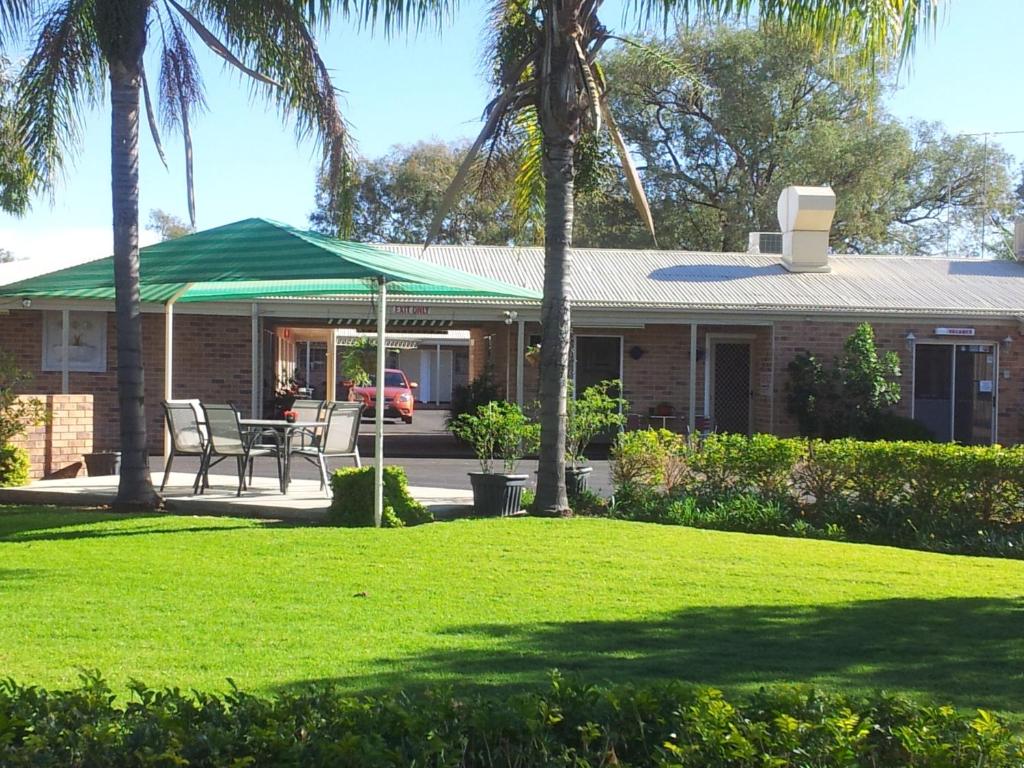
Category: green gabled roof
[256,258]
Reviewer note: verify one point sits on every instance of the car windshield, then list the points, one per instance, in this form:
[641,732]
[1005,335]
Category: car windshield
[391,379]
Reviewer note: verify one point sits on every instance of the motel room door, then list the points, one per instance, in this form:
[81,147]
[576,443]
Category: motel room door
[730,389]
[596,359]
[954,391]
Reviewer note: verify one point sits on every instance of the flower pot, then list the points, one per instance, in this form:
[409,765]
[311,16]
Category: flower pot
[576,479]
[496,494]
[97,464]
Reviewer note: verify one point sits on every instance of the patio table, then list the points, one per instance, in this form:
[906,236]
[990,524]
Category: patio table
[287,429]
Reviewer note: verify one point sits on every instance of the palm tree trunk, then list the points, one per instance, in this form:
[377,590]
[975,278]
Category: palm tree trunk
[556,333]
[135,489]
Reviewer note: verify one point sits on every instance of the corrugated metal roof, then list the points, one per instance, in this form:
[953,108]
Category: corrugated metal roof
[741,281]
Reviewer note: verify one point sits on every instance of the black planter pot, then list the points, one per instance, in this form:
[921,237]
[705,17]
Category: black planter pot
[577,479]
[495,494]
[97,464]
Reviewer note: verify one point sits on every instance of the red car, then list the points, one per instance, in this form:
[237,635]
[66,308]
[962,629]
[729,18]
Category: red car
[397,394]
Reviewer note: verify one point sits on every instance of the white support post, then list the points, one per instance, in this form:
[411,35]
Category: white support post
[331,367]
[378,425]
[65,337]
[436,382]
[692,409]
[520,351]
[256,344]
[168,369]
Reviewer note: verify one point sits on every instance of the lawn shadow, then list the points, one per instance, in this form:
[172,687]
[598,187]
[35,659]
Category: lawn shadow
[52,524]
[967,651]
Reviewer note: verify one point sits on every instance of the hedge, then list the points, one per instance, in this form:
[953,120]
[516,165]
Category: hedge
[352,499]
[932,495]
[568,724]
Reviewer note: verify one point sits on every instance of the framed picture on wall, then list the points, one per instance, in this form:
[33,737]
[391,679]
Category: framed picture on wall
[87,341]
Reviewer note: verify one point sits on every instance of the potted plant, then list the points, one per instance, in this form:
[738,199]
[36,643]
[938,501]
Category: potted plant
[497,430]
[594,412]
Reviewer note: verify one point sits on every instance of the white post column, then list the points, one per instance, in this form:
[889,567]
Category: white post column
[520,350]
[378,425]
[436,380]
[692,410]
[254,361]
[331,367]
[65,336]
[168,369]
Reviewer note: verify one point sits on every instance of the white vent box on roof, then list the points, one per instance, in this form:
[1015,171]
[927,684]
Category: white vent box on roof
[805,218]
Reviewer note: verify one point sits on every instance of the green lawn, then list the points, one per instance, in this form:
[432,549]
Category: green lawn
[193,601]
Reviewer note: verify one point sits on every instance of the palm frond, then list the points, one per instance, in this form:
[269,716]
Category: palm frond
[497,112]
[181,95]
[15,15]
[636,187]
[151,118]
[62,78]
[274,37]
[528,184]
[875,28]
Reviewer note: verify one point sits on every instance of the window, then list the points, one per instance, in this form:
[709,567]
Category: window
[87,341]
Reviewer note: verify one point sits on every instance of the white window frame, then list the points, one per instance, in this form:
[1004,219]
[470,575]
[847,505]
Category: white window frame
[52,358]
[575,355]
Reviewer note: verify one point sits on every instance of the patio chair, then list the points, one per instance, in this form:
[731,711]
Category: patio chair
[227,440]
[308,410]
[339,440]
[188,433]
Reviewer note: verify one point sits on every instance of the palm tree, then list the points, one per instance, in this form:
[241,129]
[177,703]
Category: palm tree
[550,94]
[80,43]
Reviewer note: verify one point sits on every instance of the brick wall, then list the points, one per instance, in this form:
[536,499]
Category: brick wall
[57,445]
[211,361]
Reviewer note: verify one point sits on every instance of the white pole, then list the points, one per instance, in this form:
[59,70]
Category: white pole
[168,368]
[520,350]
[378,425]
[436,383]
[65,335]
[255,343]
[692,409]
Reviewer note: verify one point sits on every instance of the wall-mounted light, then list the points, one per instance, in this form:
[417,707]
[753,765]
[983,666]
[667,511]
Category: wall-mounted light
[637,352]
[26,303]
[510,316]
[1005,343]
[911,338]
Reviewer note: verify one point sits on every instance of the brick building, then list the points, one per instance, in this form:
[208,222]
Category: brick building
[689,334]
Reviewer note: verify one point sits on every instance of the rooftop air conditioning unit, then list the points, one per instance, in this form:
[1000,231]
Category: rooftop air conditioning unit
[764,242]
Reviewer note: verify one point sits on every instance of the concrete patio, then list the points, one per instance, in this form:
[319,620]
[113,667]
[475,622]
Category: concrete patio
[304,501]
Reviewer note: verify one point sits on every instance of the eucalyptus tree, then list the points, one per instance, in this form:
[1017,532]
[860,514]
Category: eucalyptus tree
[550,95]
[78,45]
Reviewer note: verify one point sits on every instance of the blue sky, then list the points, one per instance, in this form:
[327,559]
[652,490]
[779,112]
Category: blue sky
[408,89]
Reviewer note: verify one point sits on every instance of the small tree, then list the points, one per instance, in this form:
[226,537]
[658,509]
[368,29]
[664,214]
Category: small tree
[593,412]
[497,430]
[16,413]
[844,399]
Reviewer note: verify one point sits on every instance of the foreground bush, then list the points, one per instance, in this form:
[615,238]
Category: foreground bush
[14,466]
[568,724]
[936,496]
[352,499]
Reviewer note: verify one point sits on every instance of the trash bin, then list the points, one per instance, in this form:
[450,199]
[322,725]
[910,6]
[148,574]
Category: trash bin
[107,463]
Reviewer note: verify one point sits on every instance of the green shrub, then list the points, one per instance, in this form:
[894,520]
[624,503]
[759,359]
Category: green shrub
[16,412]
[352,499]
[644,456]
[945,497]
[891,426]
[14,466]
[567,724]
